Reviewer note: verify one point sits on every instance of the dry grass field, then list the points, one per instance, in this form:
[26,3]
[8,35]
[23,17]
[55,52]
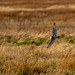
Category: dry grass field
[25,31]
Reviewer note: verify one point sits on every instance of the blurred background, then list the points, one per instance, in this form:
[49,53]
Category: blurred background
[25,31]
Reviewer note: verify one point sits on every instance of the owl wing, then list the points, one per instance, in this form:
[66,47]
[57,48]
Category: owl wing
[51,42]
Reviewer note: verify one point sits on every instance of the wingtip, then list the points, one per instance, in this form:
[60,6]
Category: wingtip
[58,36]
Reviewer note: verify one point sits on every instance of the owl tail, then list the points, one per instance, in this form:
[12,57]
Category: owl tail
[58,37]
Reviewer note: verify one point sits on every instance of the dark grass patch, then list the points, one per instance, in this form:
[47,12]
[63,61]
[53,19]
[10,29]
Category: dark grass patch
[70,73]
[71,39]
[30,41]
[21,43]
[62,35]
[9,41]
[34,70]
[26,42]
[40,41]
[15,41]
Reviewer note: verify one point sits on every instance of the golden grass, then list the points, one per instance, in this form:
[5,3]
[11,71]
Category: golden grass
[16,27]
[68,63]
[35,60]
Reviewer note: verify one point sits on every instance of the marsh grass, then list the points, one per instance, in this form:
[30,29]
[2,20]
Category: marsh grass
[30,68]
[71,39]
[29,41]
[23,57]
[35,68]
[68,63]
[34,61]
[9,41]
[51,65]
[70,73]
[0,42]
[62,35]
[39,41]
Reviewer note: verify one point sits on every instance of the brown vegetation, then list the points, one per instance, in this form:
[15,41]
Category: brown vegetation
[24,36]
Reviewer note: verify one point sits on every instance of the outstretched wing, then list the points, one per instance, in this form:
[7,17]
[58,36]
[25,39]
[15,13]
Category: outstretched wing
[51,42]
[54,30]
